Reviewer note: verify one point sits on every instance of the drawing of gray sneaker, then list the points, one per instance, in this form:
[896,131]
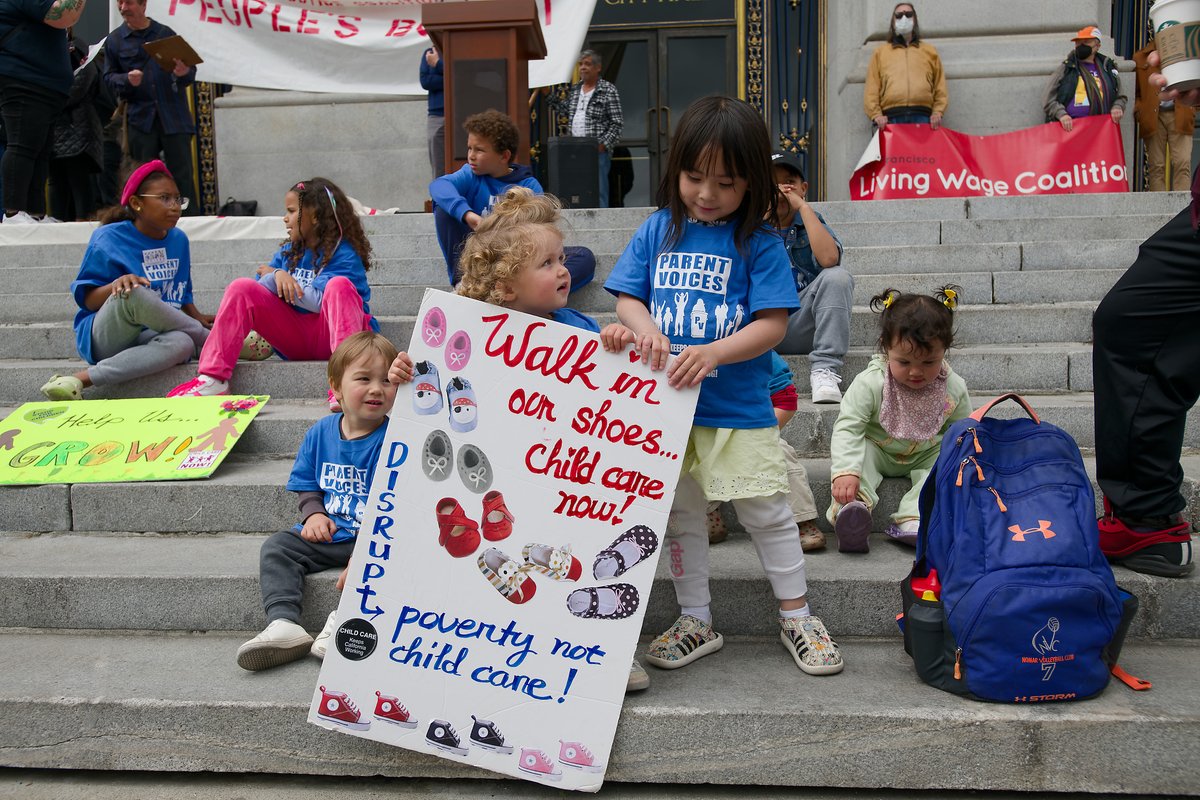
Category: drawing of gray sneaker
[485,734]
[441,734]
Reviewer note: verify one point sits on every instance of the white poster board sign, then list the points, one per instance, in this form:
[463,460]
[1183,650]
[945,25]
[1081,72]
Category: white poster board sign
[505,559]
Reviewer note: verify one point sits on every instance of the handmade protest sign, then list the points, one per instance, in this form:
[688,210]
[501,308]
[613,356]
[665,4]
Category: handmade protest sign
[140,439]
[504,562]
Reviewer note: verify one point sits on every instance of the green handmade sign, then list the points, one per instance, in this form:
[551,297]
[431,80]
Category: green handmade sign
[105,441]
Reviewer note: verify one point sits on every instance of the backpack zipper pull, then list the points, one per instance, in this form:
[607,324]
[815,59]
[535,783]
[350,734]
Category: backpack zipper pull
[978,447]
[958,664]
[999,502]
[961,467]
[978,469]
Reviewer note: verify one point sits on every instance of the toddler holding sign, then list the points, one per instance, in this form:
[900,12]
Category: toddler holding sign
[705,278]
[331,506]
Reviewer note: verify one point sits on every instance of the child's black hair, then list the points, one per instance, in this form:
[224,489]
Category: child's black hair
[335,222]
[498,128]
[732,129]
[123,213]
[923,320]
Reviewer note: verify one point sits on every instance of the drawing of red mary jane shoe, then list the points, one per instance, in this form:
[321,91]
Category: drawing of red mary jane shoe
[554,562]
[618,601]
[536,762]
[427,388]
[464,411]
[458,350]
[630,549]
[497,519]
[433,327]
[508,577]
[457,532]
[338,708]
[390,709]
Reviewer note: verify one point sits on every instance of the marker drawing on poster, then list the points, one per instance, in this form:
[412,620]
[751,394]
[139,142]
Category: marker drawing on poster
[502,568]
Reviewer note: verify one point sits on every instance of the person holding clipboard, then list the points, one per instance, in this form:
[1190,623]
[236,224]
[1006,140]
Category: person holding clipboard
[159,120]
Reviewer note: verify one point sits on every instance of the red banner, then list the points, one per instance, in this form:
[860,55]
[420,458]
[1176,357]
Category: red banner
[911,161]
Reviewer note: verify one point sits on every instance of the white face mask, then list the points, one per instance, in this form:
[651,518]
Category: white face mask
[904,26]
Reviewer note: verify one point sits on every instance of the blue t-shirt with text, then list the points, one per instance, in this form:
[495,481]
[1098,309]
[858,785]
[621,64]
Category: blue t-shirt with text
[703,289]
[344,263]
[341,469]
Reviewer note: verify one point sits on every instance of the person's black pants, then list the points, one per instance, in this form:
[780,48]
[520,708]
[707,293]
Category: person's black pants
[72,188]
[1146,372]
[29,111]
[176,149]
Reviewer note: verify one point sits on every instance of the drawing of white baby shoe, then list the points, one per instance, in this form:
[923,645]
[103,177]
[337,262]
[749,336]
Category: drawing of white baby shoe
[474,469]
[630,549]
[618,601]
[554,562]
[464,411]
[427,388]
[509,578]
[436,456]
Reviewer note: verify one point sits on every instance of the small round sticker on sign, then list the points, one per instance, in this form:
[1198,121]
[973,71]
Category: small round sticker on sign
[356,639]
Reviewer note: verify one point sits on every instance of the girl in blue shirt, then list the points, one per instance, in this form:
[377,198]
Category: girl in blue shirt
[134,290]
[311,296]
[705,279]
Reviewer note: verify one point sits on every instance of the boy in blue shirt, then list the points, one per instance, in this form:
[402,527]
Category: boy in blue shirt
[461,199]
[821,327]
[332,475]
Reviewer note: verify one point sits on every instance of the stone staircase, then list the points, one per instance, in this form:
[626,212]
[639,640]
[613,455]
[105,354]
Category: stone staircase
[123,604]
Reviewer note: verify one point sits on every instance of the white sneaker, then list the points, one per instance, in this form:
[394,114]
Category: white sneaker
[638,679]
[20,218]
[47,220]
[824,384]
[200,386]
[321,643]
[282,641]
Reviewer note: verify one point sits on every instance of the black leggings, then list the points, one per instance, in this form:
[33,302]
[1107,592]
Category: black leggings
[29,111]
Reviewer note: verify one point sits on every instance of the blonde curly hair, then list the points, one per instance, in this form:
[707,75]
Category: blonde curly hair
[505,241]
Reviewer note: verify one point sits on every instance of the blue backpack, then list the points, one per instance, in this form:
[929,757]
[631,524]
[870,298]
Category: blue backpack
[1010,598]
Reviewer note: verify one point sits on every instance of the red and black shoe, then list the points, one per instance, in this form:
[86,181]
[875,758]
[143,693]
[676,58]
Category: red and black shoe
[1154,545]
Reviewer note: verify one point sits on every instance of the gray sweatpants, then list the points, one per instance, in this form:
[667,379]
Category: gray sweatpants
[141,335]
[821,328]
[284,561]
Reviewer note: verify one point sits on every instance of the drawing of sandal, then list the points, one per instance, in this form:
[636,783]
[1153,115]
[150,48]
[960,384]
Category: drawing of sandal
[474,469]
[630,549]
[464,411]
[618,601]
[433,327]
[508,577]
[497,519]
[555,562]
[427,388]
[458,351]
[436,456]
[457,532]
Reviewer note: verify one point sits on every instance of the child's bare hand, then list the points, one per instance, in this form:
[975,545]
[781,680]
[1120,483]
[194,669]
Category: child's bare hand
[615,336]
[794,198]
[845,489]
[318,528]
[401,370]
[287,287]
[692,365]
[654,348]
[263,269]
[472,220]
[341,581]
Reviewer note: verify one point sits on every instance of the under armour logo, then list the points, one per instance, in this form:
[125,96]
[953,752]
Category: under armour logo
[1043,528]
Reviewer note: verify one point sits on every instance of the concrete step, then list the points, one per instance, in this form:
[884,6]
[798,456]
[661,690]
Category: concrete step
[211,583]
[1054,229]
[86,701]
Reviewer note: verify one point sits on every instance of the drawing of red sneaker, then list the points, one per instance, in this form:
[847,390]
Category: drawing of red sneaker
[390,709]
[554,562]
[510,578]
[536,762]
[433,328]
[338,708]
[577,755]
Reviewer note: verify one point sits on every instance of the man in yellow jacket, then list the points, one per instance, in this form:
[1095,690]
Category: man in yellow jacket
[905,80]
[1165,127]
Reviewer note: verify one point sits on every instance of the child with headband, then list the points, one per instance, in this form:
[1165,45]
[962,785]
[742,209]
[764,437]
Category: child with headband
[311,296]
[894,414]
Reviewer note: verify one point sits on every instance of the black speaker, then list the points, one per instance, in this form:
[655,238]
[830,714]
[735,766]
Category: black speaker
[573,165]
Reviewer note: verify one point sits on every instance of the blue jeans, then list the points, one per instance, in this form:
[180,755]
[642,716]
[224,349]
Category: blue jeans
[605,166]
[907,119]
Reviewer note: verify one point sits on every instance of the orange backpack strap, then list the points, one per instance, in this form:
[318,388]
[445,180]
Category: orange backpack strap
[1132,681]
[986,407]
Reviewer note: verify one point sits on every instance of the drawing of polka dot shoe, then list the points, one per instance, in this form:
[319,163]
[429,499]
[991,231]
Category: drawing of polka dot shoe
[458,350]
[390,709]
[441,734]
[464,411]
[427,389]
[457,532]
[618,601]
[338,708]
[553,562]
[474,469]
[509,578]
[497,519]
[485,734]
[577,756]
[433,327]
[436,456]
[630,549]
[536,762]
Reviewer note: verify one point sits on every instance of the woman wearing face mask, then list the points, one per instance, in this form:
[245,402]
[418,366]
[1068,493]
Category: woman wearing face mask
[1085,83]
[905,81]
